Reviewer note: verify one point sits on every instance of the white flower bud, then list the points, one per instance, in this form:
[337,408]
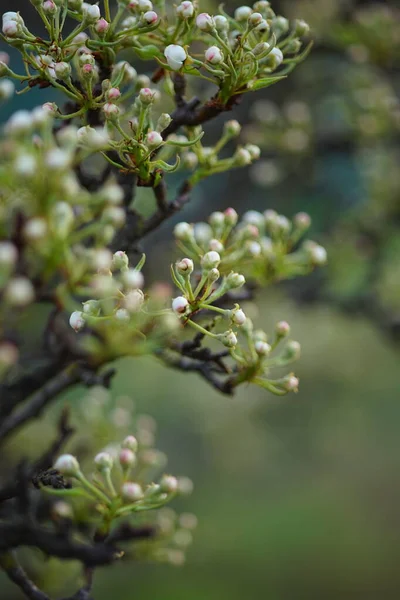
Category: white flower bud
[114,215]
[261,49]
[254,249]
[274,58]
[150,17]
[62,70]
[91,12]
[77,320]
[221,23]
[301,27]
[316,253]
[126,458]
[146,95]
[153,139]
[232,128]
[120,260]
[179,305]
[168,484]
[35,229]
[263,27]
[184,266]
[282,329]
[213,275]
[217,219]
[235,280]
[25,165]
[213,55]
[183,231]
[67,465]
[238,317]
[19,292]
[262,348]
[253,217]
[228,339]
[231,217]
[19,123]
[242,157]
[202,233]
[111,111]
[254,151]
[7,89]
[57,159]
[8,254]
[302,221]
[175,55]
[11,29]
[291,384]
[216,245]
[130,73]
[133,301]
[185,486]
[91,307]
[205,22]
[163,121]
[8,354]
[122,315]
[255,19]
[62,219]
[242,13]
[145,5]
[130,442]
[292,351]
[210,260]
[94,138]
[131,492]
[132,278]
[103,461]
[189,160]
[185,10]
[280,25]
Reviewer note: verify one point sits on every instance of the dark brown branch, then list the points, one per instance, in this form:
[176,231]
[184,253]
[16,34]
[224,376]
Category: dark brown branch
[18,576]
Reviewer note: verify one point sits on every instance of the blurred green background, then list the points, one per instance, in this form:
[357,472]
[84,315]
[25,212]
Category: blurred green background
[296,497]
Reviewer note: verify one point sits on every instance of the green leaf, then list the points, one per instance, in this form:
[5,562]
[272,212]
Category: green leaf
[259,84]
[185,144]
[148,52]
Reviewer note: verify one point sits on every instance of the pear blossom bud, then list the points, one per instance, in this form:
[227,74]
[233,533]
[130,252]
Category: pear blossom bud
[179,305]
[261,5]
[67,465]
[122,315]
[133,301]
[185,486]
[202,233]
[114,215]
[77,320]
[143,81]
[10,16]
[205,22]
[25,165]
[132,278]
[112,194]
[282,329]
[231,217]
[126,458]
[103,461]
[185,10]
[280,25]
[94,138]
[146,96]
[254,249]
[216,245]
[262,348]
[144,5]
[217,219]
[19,292]
[175,55]
[8,254]
[57,159]
[213,275]
[101,26]
[11,29]
[232,128]
[301,28]
[62,70]
[168,484]
[75,5]
[130,442]
[153,139]
[150,17]
[253,217]
[263,27]
[91,307]
[19,123]
[292,351]
[213,55]
[291,384]
[238,317]
[254,151]
[183,231]
[221,23]
[163,121]
[7,89]
[120,260]
[316,253]
[235,280]
[113,94]
[255,19]
[228,339]
[49,7]
[261,49]
[242,157]
[185,266]
[189,160]
[242,13]
[62,219]
[210,260]
[274,58]
[302,221]
[91,12]
[35,229]
[111,111]
[131,492]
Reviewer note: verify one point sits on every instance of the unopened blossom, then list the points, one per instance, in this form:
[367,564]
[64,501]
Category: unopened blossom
[185,9]
[205,22]
[175,55]
[214,55]
[179,305]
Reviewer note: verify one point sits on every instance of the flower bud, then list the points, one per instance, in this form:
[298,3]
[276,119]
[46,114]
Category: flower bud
[132,278]
[150,17]
[91,12]
[302,221]
[175,55]
[25,165]
[183,231]
[210,260]
[130,442]
[216,245]
[145,5]
[57,159]
[231,217]
[7,89]
[122,315]
[113,94]
[131,492]
[8,254]
[62,219]
[91,307]
[282,329]
[301,28]
[238,317]
[274,58]
[255,19]
[235,280]
[49,8]
[19,292]
[120,260]
[213,55]
[146,96]
[129,72]
[168,484]
[316,253]
[204,22]
[133,301]
[35,229]
[163,121]
[262,348]
[127,458]
[67,465]
[62,70]
[254,151]
[280,26]
[111,111]
[94,138]
[8,355]
[242,13]
[180,305]
[11,29]
[242,157]
[103,461]
[185,486]
[292,351]
[232,128]
[217,219]
[254,249]
[77,320]
[185,10]
[153,139]
[102,26]
[221,23]
[115,215]
[228,339]
[263,27]
[185,266]
[213,275]
[19,123]
[291,383]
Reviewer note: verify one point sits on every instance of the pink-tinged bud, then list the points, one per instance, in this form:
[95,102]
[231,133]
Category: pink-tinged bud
[113,94]
[262,348]
[11,29]
[101,26]
[8,354]
[103,461]
[254,151]
[127,458]
[133,279]
[153,139]
[131,492]
[179,305]
[146,96]
[231,217]
[67,465]
[130,442]
[168,484]
[19,292]
[4,58]
[214,55]
[111,111]
[205,22]
[238,317]
[175,55]
[150,17]
[88,70]
[291,384]
[185,266]
[210,260]
[185,10]
[302,221]
[282,329]
[77,320]
[50,107]
[49,7]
